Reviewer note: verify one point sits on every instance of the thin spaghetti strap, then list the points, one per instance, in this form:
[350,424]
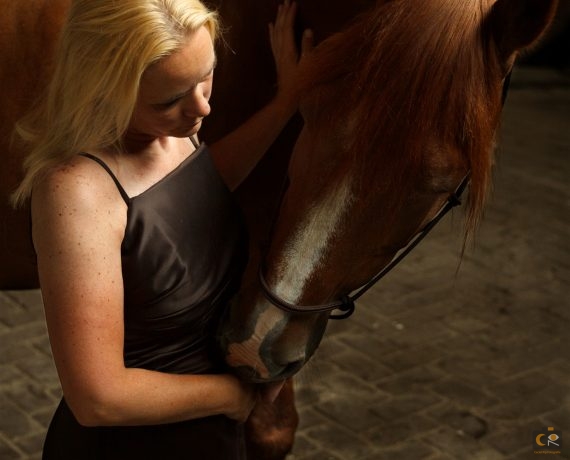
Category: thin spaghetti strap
[126,197]
[194,141]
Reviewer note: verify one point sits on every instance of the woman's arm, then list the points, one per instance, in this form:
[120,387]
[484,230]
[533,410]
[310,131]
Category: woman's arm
[237,153]
[78,225]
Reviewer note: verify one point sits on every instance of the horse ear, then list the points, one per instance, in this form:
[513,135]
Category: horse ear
[516,24]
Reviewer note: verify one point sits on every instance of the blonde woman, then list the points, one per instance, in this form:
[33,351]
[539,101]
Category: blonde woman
[139,243]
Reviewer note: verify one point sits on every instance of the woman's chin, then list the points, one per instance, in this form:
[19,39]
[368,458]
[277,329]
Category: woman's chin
[194,128]
[187,131]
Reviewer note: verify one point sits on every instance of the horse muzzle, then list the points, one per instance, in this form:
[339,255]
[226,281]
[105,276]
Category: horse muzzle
[270,345]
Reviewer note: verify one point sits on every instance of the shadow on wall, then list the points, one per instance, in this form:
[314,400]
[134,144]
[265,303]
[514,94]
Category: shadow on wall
[554,49]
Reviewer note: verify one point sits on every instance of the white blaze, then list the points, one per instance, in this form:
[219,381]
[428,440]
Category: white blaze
[308,244]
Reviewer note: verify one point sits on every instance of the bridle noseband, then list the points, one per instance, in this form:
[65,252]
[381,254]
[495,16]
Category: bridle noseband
[346,304]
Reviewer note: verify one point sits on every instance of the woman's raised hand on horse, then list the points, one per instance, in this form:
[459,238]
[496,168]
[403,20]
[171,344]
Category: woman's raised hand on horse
[260,131]
[286,55]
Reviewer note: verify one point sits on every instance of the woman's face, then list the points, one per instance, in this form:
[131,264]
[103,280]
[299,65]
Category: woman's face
[174,92]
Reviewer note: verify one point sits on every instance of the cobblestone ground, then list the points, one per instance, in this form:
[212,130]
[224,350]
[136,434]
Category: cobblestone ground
[436,364]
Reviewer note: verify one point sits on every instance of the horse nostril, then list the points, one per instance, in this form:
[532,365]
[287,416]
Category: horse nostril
[291,362]
[293,367]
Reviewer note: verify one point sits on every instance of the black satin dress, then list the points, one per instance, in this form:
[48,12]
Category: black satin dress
[183,255]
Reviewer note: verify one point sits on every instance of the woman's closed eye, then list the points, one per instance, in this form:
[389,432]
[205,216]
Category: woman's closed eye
[168,104]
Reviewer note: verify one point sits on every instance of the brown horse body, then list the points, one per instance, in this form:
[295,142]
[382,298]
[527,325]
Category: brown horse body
[28,32]
[398,109]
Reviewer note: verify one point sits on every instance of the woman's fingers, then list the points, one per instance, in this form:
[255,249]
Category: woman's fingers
[281,33]
[286,55]
[307,42]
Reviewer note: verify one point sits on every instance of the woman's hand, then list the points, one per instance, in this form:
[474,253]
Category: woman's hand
[286,55]
[244,399]
[259,132]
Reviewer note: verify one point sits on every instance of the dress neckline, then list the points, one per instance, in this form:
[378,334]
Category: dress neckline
[199,149]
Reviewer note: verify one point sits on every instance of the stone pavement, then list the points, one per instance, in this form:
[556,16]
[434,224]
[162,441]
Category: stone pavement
[435,364]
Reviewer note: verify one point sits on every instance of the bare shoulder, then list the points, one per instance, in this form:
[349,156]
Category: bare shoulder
[81,183]
[75,197]
[79,178]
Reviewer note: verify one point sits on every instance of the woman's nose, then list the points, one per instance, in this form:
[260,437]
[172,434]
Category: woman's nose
[197,106]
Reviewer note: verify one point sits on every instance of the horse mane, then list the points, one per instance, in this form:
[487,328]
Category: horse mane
[414,72]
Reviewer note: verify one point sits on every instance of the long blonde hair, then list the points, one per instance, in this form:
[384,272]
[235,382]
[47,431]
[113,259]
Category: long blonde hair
[104,49]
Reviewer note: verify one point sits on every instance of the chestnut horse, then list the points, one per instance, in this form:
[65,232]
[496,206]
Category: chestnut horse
[400,107]
[402,102]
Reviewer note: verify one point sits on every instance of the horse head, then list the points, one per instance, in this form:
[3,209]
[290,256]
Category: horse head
[400,106]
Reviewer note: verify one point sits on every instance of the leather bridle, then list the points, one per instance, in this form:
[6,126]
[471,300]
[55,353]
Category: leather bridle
[346,303]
